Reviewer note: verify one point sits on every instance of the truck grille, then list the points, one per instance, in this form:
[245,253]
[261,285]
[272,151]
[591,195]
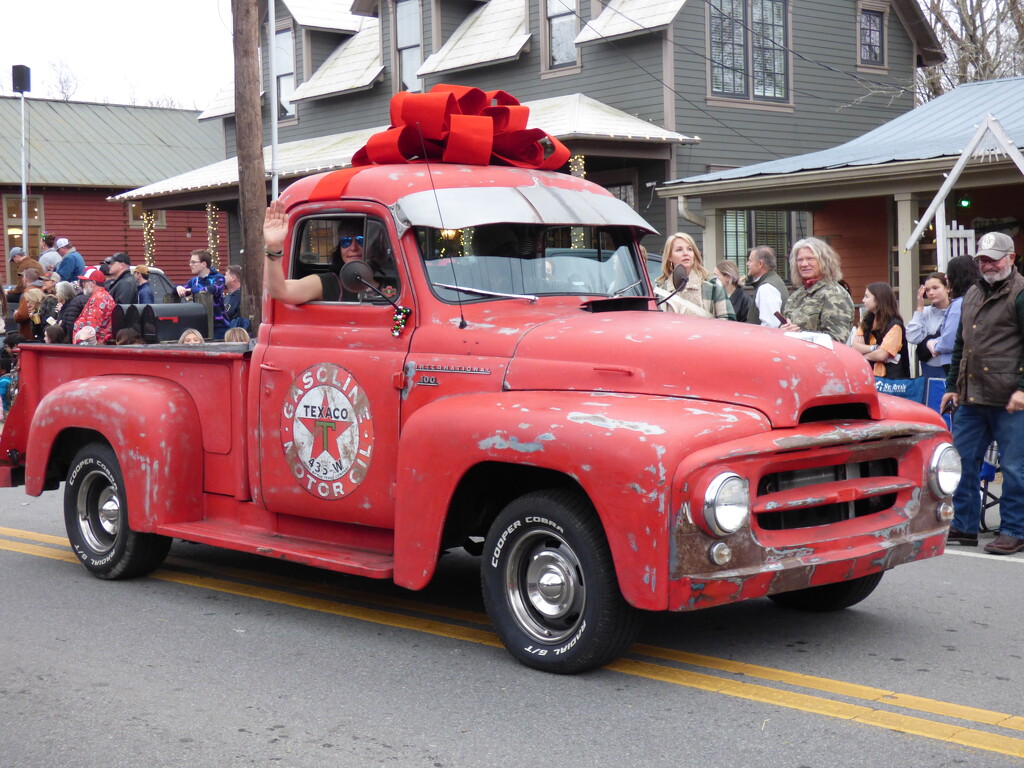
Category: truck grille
[815,496]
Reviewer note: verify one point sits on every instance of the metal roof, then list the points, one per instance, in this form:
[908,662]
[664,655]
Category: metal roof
[939,128]
[317,14]
[622,18]
[294,158]
[354,65]
[496,31]
[573,116]
[83,144]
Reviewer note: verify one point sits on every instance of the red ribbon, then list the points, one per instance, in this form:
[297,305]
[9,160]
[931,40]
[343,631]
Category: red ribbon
[459,124]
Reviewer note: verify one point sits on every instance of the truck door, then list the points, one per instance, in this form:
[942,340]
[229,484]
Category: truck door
[329,405]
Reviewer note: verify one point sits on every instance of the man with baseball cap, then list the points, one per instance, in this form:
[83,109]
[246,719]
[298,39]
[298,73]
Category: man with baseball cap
[23,261]
[71,262]
[98,311]
[122,287]
[986,387]
[141,273]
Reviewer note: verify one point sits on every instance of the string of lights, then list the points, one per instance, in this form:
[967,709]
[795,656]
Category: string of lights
[213,234]
[149,237]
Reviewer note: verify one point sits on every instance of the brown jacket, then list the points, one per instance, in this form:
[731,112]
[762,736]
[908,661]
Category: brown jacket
[992,359]
[25,264]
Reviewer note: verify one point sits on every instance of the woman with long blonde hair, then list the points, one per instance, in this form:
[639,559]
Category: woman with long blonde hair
[701,295]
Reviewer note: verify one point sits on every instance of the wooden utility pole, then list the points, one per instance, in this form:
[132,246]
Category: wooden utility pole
[252,186]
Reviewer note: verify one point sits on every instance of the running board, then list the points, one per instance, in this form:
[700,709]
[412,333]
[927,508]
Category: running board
[332,557]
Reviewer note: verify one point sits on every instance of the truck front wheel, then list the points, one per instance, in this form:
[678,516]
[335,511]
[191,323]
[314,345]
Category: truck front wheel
[549,585]
[829,597]
[96,518]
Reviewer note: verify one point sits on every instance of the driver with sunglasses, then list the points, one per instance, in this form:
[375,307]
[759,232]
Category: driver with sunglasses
[320,286]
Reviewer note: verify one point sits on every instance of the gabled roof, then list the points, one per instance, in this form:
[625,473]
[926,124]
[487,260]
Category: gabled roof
[354,65]
[333,15]
[574,116]
[496,31]
[622,18]
[83,144]
[223,104]
[938,128]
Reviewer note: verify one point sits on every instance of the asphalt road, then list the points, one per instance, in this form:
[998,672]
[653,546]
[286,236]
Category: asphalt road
[221,659]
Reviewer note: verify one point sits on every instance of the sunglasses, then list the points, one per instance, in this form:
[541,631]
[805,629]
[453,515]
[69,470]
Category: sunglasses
[346,242]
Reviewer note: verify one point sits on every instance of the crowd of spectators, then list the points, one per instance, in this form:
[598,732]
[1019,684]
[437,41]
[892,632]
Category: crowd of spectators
[57,299]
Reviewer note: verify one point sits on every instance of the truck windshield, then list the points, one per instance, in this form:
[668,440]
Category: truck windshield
[499,260]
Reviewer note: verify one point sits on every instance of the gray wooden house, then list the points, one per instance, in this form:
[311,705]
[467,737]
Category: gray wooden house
[640,90]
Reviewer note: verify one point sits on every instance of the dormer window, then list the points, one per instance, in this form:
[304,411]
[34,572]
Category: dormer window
[284,65]
[408,43]
[562,28]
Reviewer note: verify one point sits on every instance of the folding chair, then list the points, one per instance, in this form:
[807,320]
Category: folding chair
[989,498]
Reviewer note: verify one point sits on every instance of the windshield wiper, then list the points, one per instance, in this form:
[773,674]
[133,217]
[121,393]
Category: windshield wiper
[628,287]
[482,292]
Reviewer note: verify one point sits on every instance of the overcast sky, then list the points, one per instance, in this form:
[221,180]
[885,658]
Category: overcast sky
[120,51]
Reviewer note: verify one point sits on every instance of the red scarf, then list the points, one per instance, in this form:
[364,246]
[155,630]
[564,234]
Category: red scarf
[809,283]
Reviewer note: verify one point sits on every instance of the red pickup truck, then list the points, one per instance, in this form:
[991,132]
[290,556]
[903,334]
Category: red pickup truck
[494,375]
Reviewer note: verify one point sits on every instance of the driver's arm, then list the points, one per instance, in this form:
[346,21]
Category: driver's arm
[298,291]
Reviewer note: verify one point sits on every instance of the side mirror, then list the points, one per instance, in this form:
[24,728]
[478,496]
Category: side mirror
[356,277]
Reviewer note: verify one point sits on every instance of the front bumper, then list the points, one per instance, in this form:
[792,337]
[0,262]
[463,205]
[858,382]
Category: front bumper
[856,501]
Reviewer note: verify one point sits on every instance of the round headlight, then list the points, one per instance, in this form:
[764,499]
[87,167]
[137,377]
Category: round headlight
[727,504]
[944,470]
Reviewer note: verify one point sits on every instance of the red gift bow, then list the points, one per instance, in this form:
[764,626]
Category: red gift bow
[459,124]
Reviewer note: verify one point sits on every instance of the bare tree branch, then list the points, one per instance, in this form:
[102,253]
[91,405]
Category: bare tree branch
[981,38]
[65,82]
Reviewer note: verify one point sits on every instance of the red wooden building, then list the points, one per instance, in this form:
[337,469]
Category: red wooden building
[82,154]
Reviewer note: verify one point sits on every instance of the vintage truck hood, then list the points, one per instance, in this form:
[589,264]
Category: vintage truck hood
[678,356]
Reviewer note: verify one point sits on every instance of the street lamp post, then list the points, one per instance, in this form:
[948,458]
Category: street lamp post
[21,79]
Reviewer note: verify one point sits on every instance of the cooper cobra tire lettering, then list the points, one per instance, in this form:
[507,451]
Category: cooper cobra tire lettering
[549,584]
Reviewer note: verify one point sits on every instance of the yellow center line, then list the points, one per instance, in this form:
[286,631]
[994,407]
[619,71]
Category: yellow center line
[824,684]
[892,721]
[844,710]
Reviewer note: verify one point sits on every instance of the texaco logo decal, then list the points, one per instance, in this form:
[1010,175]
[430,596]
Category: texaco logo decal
[327,431]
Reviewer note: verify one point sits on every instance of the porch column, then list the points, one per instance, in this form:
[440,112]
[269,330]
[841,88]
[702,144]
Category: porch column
[909,264]
[714,237]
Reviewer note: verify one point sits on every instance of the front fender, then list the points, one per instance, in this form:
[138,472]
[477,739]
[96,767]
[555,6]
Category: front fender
[153,427]
[621,449]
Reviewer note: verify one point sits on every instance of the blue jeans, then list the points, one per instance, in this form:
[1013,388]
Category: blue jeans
[974,427]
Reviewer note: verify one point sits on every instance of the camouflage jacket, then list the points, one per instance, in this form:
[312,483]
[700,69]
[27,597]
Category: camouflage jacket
[825,307]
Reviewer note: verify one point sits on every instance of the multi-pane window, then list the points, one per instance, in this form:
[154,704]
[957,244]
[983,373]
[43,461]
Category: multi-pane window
[13,229]
[408,43]
[742,230]
[872,38]
[747,44]
[284,67]
[136,218]
[563,26]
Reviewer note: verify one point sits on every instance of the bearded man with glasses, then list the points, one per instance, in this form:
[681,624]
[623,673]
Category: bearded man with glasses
[206,279]
[986,389]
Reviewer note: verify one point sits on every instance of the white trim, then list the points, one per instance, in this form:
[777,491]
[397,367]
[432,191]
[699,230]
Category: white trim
[991,128]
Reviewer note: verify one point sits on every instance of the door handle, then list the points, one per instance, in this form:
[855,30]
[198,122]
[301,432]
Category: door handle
[267,367]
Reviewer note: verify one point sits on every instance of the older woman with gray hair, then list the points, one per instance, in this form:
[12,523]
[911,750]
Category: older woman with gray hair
[820,303]
[69,306]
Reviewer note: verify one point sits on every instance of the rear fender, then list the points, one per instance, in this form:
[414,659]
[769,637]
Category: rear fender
[153,427]
[621,449]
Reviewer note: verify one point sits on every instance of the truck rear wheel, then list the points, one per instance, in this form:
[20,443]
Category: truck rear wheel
[96,519]
[829,597]
[549,585]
